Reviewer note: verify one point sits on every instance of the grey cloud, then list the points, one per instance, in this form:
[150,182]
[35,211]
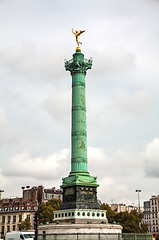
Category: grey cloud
[151,156]
[113,60]
[135,104]
[29,60]
[8,136]
[3,120]
[58,106]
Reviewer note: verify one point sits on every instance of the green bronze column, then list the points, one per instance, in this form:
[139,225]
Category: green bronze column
[79,188]
[78,67]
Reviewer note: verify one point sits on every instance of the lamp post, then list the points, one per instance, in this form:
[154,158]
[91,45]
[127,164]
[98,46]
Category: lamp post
[138,191]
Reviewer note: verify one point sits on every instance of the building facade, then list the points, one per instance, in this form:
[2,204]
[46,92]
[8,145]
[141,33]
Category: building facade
[52,193]
[122,207]
[151,214]
[147,215]
[41,194]
[13,211]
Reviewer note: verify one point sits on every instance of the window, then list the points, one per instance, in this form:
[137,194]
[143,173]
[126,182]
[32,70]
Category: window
[2,230]
[8,219]
[14,218]
[28,216]
[13,227]
[8,228]
[20,218]
[27,235]
[3,219]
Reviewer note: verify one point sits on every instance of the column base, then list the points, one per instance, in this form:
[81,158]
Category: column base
[80,216]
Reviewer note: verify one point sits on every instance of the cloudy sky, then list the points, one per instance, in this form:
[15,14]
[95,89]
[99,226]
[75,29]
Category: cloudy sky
[122,94]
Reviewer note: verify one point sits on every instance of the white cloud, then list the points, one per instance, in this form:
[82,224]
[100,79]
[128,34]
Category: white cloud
[118,174]
[51,167]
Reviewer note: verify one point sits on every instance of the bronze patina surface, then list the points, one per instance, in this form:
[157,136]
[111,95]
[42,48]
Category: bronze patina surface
[79,188]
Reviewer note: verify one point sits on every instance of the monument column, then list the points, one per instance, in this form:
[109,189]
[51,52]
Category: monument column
[80,206]
[78,67]
[79,188]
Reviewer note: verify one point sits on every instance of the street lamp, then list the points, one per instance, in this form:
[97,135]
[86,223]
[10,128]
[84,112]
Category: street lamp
[138,191]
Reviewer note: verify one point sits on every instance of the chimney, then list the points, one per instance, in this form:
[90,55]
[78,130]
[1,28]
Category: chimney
[1,193]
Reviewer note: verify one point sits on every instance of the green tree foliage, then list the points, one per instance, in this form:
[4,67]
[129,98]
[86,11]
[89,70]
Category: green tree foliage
[131,222]
[25,225]
[46,210]
[144,227]
[110,213]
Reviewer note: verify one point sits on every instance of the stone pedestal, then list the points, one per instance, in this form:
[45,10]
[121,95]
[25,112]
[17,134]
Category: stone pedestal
[79,231]
[79,197]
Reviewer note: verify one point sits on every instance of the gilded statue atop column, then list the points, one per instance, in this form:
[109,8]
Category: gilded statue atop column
[77,34]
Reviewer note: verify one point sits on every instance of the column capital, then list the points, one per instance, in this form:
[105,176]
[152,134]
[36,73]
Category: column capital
[78,64]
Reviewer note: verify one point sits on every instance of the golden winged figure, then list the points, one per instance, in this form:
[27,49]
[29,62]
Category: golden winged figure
[77,34]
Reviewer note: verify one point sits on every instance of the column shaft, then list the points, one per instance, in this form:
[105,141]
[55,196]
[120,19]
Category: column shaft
[79,134]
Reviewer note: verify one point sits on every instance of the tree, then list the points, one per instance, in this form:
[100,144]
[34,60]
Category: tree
[144,227]
[25,225]
[46,210]
[110,213]
[131,222]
